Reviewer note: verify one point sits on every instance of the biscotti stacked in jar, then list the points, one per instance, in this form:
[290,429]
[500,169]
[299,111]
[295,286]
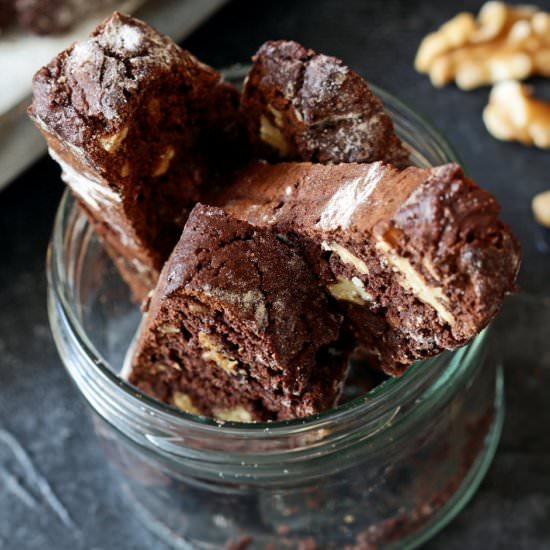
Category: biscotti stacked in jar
[271,233]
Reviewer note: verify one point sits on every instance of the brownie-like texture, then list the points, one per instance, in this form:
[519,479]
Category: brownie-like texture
[238,327]
[300,105]
[417,259]
[55,16]
[138,125]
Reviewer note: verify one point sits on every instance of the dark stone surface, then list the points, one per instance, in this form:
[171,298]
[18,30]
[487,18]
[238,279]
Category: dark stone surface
[40,408]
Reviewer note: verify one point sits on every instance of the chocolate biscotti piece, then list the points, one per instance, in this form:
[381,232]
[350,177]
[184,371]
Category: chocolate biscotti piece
[55,16]
[300,105]
[238,327]
[417,259]
[138,125]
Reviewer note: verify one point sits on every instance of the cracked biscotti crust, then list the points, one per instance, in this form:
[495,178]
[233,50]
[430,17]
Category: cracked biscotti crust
[417,258]
[301,105]
[238,327]
[138,126]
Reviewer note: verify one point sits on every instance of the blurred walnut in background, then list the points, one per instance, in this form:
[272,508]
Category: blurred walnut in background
[504,43]
[513,114]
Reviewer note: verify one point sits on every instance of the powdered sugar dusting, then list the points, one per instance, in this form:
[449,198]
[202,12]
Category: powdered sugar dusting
[82,53]
[341,207]
[131,37]
[98,196]
[122,37]
[325,75]
[92,192]
[335,118]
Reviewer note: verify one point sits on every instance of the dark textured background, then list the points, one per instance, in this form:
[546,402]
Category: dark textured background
[42,416]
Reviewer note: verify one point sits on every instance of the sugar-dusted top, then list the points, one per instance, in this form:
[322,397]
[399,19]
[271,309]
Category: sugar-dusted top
[435,220]
[96,84]
[325,111]
[330,197]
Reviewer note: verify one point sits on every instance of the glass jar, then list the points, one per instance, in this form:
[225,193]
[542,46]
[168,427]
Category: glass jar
[386,469]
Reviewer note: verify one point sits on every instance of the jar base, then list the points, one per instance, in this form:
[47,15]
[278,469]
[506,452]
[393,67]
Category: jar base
[471,482]
[448,511]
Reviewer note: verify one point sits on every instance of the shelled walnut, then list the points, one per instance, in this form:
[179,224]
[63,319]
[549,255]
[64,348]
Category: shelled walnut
[541,208]
[504,43]
[513,114]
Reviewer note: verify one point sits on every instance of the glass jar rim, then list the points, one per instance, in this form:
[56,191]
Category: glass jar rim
[379,400]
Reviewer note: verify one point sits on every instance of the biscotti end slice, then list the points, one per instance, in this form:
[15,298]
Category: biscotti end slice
[417,259]
[138,125]
[301,105]
[238,327]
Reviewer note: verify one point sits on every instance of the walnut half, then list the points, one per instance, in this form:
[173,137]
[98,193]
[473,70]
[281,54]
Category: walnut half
[541,208]
[505,42]
[513,114]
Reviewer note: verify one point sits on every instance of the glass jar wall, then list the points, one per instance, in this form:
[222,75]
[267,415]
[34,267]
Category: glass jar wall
[386,469]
